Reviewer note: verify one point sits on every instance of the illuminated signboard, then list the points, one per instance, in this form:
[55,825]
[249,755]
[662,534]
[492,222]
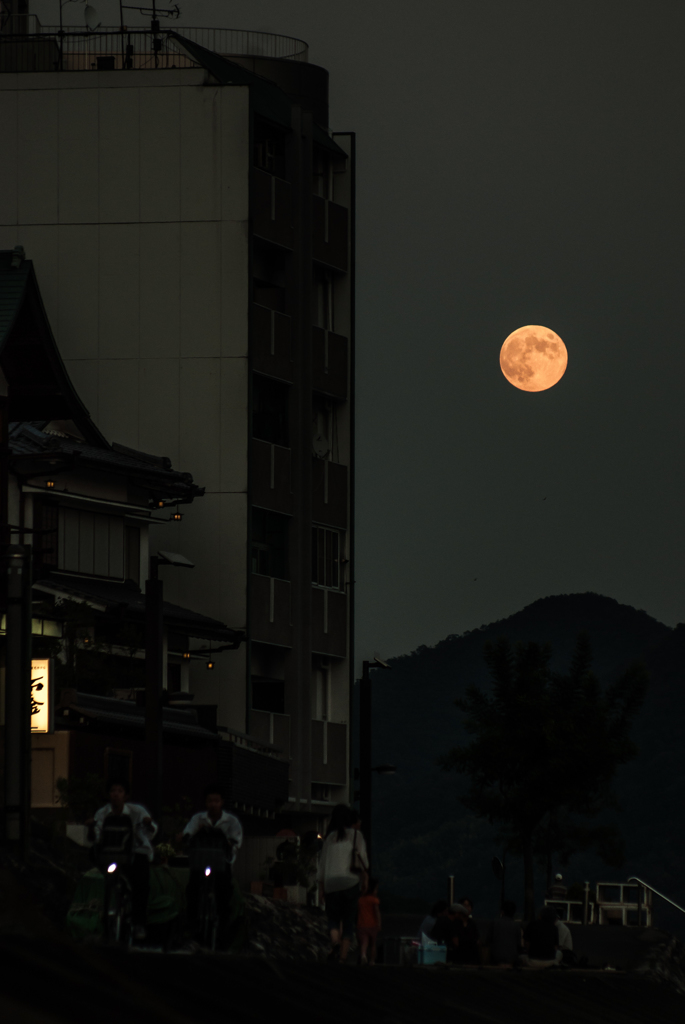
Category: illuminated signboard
[41,695]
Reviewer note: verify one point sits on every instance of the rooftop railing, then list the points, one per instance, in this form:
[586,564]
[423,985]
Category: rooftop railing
[47,48]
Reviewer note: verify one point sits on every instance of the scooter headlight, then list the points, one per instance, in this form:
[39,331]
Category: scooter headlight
[111,869]
[208,872]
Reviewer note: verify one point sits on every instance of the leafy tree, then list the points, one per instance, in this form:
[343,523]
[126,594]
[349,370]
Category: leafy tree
[562,835]
[545,747]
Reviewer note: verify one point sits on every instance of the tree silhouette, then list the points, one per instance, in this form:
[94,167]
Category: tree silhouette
[546,747]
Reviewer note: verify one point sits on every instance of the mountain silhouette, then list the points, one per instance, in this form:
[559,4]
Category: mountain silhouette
[422,833]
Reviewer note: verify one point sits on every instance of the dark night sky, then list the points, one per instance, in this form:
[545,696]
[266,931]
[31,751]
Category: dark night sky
[519,161]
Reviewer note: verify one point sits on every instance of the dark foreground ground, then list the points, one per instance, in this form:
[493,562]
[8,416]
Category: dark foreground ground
[48,982]
[46,978]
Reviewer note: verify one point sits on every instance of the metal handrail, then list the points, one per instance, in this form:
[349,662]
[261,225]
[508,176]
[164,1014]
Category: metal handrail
[228,42]
[656,892]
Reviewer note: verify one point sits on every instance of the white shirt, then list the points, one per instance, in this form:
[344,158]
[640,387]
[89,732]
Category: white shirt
[142,832]
[565,940]
[335,861]
[227,823]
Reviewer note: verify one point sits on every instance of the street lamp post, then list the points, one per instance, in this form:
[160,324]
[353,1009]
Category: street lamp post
[365,769]
[18,698]
[154,671]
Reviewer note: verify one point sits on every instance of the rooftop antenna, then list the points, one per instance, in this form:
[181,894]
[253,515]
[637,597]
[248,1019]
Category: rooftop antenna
[154,13]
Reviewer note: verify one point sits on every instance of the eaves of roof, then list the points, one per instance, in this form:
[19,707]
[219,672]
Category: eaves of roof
[28,441]
[322,138]
[18,291]
[107,711]
[114,596]
[39,385]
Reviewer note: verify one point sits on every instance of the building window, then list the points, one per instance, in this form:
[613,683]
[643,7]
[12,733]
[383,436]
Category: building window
[270,405]
[270,544]
[264,293]
[269,275]
[321,695]
[91,544]
[46,535]
[268,695]
[324,428]
[269,149]
[322,300]
[326,557]
[322,173]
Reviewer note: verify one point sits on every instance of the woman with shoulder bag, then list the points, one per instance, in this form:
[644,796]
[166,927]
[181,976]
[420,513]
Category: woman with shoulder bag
[342,876]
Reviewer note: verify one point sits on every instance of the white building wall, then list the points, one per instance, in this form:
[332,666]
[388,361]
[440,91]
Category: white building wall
[129,191]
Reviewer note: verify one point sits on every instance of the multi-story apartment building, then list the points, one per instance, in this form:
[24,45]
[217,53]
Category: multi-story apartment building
[190,218]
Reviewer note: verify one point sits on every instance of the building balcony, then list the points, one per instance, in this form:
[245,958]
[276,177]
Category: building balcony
[329,753]
[270,342]
[329,493]
[329,622]
[270,476]
[271,208]
[272,728]
[330,233]
[252,780]
[329,363]
[270,610]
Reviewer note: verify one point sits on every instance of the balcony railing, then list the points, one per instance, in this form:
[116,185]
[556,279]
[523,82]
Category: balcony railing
[36,47]
[272,728]
[329,753]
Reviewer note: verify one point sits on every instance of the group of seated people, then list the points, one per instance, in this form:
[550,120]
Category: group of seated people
[541,943]
[213,819]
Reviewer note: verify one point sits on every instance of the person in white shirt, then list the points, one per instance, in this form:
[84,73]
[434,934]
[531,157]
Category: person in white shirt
[214,819]
[339,884]
[144,830]
[214,816]
[565,939]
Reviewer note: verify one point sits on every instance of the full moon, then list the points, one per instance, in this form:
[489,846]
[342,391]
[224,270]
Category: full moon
[533,358]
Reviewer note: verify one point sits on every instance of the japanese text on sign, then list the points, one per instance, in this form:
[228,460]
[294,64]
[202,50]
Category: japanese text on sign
[41,683]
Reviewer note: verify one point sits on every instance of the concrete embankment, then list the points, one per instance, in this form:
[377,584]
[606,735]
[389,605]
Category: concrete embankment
[622,948]
[45,982]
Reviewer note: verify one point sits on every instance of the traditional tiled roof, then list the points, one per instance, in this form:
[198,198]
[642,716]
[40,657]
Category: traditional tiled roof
[109,711]
[29,356]
[34,439]
[39,385]
[128,599]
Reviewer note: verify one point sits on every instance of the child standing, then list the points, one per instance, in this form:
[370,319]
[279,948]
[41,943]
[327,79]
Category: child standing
[368,923]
